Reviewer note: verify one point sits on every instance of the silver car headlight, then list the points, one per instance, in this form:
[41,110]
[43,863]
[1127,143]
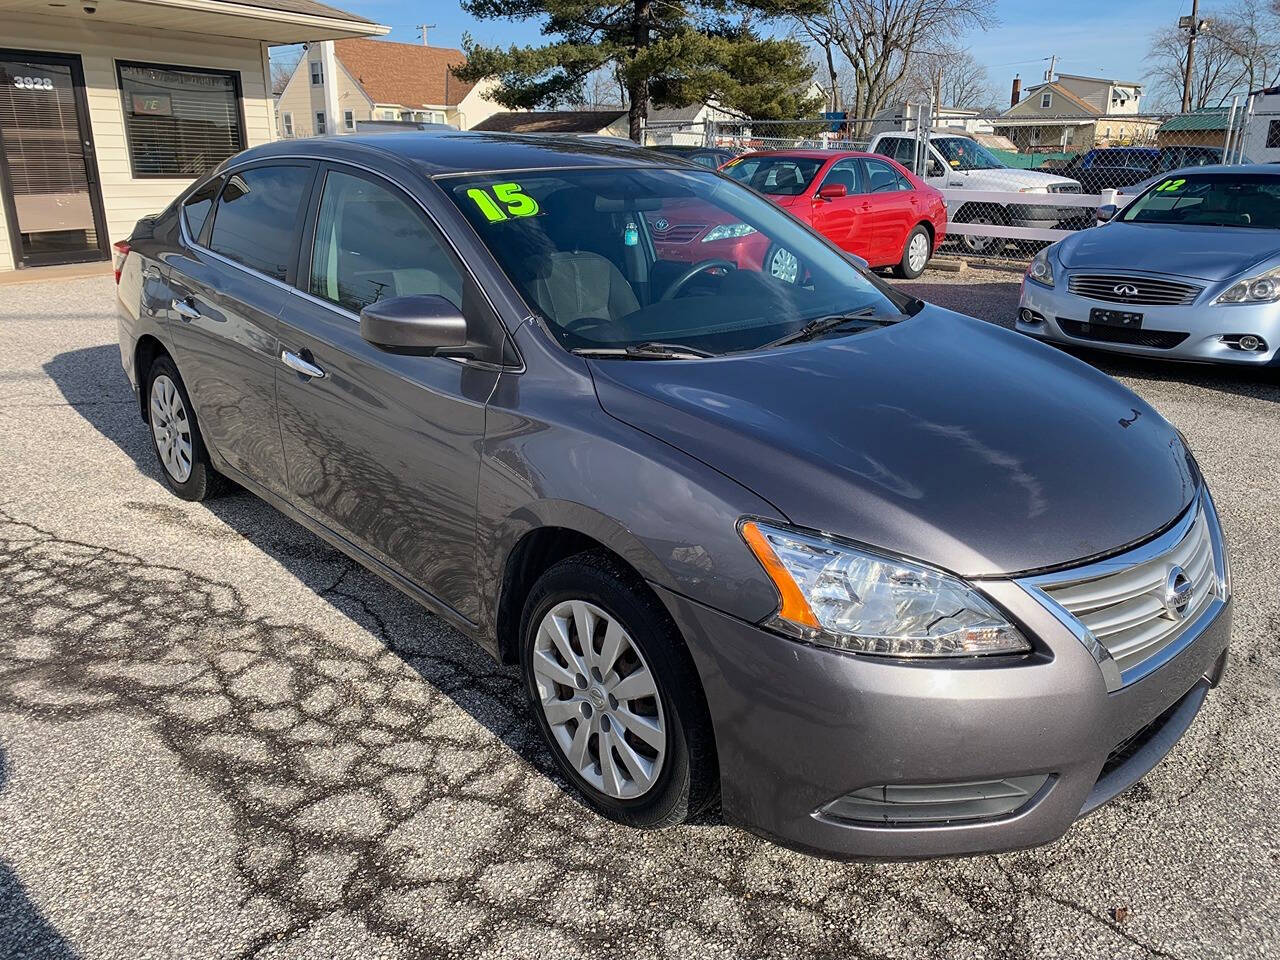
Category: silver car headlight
[728,231]
[851,599]
[1264,288]
[1040,269]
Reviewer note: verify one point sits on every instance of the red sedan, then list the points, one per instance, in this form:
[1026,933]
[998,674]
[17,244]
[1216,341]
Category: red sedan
[863,202]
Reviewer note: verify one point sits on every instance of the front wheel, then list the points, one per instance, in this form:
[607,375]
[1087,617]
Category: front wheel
[615,693]
[915,253]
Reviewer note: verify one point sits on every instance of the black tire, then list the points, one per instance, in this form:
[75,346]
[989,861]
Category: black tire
[981,213]
[203,481]
[688,779]
[904,268]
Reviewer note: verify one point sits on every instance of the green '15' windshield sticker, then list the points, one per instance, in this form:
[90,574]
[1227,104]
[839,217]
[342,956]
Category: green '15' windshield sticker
[1171,186]
[504,202]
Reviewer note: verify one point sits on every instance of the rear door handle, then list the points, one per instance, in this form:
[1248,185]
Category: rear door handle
[304,367]
[186,310]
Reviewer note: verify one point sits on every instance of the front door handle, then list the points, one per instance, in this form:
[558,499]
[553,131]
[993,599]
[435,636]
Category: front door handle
[304,367]
[186,310]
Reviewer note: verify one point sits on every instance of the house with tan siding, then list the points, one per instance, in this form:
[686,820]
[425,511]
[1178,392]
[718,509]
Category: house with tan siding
[379,80]
[109,110]
[1074,114]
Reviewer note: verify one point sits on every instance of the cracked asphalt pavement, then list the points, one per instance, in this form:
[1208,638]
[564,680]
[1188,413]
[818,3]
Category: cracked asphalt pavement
[221,738]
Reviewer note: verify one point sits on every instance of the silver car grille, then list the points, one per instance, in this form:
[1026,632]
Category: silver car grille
[1137,290]
[1135,606]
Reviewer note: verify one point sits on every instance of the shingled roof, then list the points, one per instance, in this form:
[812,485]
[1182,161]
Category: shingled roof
[407,74]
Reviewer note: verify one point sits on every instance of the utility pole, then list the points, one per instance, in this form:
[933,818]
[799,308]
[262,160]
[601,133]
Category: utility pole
[424,27]
[1053,62]
[1192,25]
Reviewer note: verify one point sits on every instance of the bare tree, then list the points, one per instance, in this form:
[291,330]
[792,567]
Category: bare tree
[1237,53]
[950,77]
[880,37]
[284,60]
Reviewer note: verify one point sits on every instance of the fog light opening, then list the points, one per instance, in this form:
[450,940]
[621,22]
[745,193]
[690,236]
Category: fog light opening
[903,804]
[1245,341]
[1029,316]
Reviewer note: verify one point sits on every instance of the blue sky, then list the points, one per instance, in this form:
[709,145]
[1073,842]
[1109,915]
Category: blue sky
[1092,37]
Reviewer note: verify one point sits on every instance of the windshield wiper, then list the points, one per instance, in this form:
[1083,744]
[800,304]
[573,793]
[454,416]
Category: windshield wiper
[648,350]
[820,325]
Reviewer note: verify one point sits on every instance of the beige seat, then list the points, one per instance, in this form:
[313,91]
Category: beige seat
[570,285]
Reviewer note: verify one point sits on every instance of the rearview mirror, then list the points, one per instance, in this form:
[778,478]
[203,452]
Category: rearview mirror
[417,325]
[832,191]
[1107,212]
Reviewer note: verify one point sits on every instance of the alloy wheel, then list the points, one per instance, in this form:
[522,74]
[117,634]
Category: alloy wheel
[600,699]
[784,266]
[918,252]
[171,428]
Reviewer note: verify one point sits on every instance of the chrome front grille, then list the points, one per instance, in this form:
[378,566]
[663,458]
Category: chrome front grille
[677,232]
[1141,604]
[1137,290]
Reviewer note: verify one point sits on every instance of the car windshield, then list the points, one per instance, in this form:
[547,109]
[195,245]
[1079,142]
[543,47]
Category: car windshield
[624,258]
[1210,199]
[778,176]
[962,154]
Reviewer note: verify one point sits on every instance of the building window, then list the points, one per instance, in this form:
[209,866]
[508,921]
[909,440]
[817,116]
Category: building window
[288,124]
[388,114]
[1046,101]
[320,131]
[179,121]
[1273,134]
[348,120]
[317,73]
[1108,133]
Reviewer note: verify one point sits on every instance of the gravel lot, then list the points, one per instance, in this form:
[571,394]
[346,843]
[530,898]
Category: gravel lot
[219,737]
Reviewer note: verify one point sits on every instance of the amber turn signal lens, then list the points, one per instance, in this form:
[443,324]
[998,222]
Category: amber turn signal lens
[794,606]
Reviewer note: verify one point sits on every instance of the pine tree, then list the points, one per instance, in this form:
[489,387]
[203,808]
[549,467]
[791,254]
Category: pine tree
[673,53]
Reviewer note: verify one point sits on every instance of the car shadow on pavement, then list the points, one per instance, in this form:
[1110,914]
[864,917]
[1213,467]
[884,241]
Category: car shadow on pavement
[24,932]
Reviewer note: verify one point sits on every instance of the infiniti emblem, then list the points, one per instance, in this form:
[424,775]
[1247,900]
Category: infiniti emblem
[1125,290]
[1176,596]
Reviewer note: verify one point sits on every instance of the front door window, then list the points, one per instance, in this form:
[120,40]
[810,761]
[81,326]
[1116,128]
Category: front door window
[52,201]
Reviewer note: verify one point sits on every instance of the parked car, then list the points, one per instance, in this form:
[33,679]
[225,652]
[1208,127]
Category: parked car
[865,204]
[713,157]
[1126,169]
[959,163]
[810,545]
[1190,270]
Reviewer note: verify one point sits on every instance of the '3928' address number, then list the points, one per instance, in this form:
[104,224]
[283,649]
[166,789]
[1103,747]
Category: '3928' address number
[33,83]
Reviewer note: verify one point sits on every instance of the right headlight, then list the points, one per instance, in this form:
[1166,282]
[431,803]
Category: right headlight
[1264,288]
[838,596]
[1040,269]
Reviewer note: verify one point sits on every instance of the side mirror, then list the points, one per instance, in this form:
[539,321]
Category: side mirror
[832,191]
[417,325]
[1107,212]
[936,169]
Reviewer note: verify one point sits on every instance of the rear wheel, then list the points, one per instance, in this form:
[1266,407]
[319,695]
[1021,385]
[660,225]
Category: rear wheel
[175,435]
[614,692]
[915,253]
[981,214]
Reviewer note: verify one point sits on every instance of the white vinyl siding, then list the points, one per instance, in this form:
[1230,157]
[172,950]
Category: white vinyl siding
[125,199]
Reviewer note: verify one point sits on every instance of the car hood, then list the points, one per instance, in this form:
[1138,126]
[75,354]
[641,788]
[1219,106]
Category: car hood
[1011,177]
[942,438]
[1204,253]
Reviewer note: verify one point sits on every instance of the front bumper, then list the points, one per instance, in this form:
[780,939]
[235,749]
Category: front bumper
[799,726]
[1204,326]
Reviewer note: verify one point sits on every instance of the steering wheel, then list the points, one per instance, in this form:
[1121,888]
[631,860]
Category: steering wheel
[679,283]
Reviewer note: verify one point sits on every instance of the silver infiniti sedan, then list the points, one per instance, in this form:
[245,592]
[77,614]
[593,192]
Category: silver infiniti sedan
[1190,270]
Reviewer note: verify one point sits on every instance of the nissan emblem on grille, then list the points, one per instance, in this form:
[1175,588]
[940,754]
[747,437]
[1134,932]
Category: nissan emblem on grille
[1177,593]
[1125,290]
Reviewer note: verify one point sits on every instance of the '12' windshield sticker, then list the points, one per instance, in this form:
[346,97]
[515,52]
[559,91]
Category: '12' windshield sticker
[1171,186]
[505,201]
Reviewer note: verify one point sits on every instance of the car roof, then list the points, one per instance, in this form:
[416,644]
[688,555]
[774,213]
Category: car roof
[811,154]
[441,153]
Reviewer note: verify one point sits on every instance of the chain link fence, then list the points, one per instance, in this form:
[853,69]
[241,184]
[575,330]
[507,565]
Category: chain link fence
[1013,184]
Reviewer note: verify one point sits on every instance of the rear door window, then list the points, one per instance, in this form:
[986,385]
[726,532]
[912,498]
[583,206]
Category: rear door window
[881,177]
[258,216]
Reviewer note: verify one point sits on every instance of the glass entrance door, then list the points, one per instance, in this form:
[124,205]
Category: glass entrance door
[47,170]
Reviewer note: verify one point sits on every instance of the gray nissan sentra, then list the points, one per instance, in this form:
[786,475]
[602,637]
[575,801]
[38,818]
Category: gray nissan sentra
[885,580]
